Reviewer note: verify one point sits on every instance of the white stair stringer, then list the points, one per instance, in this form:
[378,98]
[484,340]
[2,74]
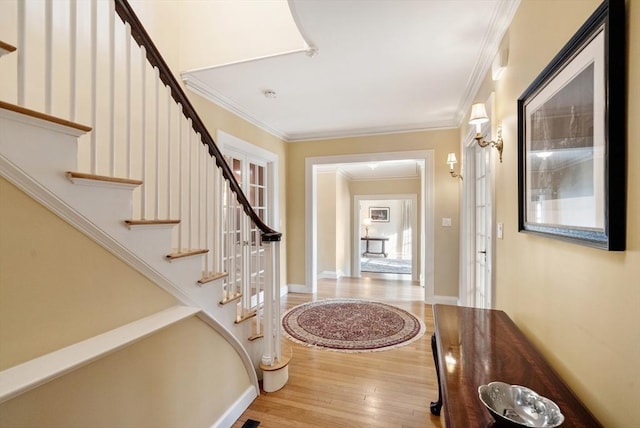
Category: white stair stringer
[38,371]
[35,155]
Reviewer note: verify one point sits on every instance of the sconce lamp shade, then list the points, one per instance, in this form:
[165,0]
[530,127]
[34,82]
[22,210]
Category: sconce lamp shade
[478,114]
[451,159]
[367,221]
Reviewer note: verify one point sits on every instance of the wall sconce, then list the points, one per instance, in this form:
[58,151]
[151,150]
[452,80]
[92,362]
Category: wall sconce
[478,117]
[367,223]
[451,160]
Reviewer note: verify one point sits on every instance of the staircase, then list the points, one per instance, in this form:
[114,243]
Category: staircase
[145,181]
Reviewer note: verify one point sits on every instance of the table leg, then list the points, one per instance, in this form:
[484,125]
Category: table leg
[437,405]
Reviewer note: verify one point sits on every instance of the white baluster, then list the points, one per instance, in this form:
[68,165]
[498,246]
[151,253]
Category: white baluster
[169,140]
[73,48]
[143,131]
[199,157]
[217,237]
[94,85]
[48,56]
[180,187]
[156,139]
[207,202]
[190,189]
[22,52]
[128,70]
[112,90]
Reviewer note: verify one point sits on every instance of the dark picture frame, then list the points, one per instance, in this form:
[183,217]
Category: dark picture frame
[379,214]
[572,138]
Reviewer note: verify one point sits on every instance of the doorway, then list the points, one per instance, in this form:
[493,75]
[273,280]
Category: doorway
[386,236]
[425,221]
[476,276]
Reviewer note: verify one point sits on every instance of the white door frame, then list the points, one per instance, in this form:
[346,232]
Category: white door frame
[468,215]
[426,220]
[357,227]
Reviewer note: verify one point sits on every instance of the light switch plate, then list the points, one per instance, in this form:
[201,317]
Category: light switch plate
[499,231]
[446,222]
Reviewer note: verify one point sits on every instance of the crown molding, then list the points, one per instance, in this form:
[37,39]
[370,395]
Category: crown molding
[500,21]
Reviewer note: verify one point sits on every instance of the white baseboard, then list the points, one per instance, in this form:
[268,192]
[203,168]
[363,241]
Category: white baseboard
[236,409]
[298,288]
[446,300]
[327,274]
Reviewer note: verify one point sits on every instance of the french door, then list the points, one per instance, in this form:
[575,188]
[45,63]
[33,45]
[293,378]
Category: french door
[483,219]
[242,253]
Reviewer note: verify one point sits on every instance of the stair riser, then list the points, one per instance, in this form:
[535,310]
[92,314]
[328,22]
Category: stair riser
[45,154]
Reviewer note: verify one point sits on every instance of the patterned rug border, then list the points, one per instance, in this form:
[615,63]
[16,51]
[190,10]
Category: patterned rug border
[418,336]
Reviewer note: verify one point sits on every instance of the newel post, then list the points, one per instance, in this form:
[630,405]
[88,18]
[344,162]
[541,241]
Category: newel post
[274,367]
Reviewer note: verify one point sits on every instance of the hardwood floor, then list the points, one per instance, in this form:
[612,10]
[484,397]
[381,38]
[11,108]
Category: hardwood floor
[372,389]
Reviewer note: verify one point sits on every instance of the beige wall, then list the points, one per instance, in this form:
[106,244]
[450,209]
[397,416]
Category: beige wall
[58,287]
[327,222]
[343,225]
[580,306]
[334,224]
[446,195]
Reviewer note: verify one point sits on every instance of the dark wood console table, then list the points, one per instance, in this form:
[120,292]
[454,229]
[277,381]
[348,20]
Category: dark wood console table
[472,347]
[367,250]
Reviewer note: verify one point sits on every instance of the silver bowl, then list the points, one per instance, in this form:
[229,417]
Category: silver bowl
[517,406]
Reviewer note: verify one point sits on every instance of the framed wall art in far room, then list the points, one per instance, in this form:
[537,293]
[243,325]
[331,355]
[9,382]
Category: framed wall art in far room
[572,138]
[379,214]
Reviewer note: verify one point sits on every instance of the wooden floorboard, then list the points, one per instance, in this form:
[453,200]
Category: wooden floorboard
[369,389]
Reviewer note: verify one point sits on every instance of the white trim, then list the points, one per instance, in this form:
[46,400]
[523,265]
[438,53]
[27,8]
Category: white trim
[369,132]
[426,220]
[236,410]
[297,288]
[24,377]
[503,14]
[446,300]
[325,274]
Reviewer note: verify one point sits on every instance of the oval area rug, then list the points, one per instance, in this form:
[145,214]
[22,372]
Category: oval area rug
[351,325]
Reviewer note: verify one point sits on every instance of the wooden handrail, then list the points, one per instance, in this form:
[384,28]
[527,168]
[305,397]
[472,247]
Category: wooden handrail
[142,38]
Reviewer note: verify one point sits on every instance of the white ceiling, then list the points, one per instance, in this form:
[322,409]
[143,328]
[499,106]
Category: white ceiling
[382,66]
[376,170]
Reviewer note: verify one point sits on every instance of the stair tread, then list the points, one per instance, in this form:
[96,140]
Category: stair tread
[7,47]
[255,337]
[86,176]
[212,276]
[31,374]
[283,362]
[43,116]
[246,317]
[230,299]
[150,222]
[186,253]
